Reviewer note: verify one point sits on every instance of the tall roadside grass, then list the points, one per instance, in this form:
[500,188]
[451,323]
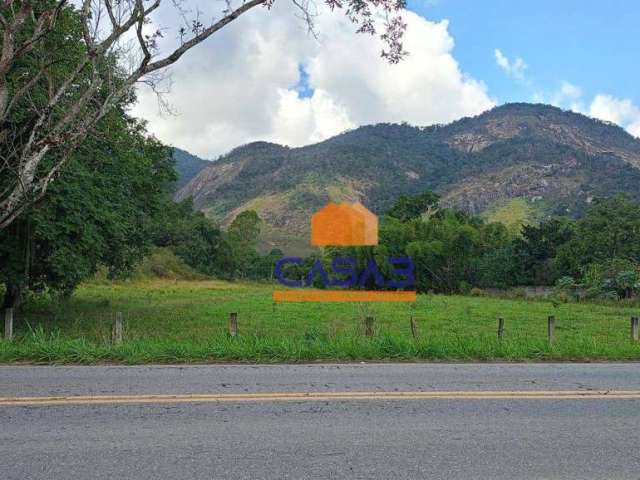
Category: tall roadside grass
[187,321]
[40,347]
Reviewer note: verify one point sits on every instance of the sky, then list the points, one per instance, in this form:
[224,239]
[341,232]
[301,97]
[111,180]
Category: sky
[265,78]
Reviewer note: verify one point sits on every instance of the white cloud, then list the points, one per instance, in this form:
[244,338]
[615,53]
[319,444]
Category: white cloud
[616,110]
[621,111]
[567,96]
[515,68]
[237,87]
[308,120]
[570,91]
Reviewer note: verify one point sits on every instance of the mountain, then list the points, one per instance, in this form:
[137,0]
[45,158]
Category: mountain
[187,166]
[533,159]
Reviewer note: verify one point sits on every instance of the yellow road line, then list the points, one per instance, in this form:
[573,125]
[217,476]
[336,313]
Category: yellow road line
[322,396]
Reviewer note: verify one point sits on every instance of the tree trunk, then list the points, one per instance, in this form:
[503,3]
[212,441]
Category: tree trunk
[11,296]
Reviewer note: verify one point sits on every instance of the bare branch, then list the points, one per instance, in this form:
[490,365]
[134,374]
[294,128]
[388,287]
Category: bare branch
[143,44]
[202,36]
[112,18]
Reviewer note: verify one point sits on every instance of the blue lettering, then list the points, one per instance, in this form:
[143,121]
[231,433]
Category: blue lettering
[402,273]
[407,271]
[317,269]
[372,269]
[279,274]
[344,266]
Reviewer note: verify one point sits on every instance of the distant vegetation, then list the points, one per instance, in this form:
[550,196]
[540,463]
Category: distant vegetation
[597,256]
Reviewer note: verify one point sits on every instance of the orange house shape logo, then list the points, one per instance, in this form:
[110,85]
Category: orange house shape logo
[344,224]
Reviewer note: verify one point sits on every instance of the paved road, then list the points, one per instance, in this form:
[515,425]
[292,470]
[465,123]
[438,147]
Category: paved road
[450,438]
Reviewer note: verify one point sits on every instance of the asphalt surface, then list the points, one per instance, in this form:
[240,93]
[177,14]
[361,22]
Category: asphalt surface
[459,438]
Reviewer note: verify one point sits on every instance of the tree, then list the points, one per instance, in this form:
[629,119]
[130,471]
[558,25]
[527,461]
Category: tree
[243,236]
[499,268]
[610,229]
[99,212]
[443,247]
[498,264]
[245,229]
[615,277]
[449,248]
[65,67]
[538,247]
[194,238]
[410,207]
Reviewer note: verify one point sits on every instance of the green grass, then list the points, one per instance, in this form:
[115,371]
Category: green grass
[187,321]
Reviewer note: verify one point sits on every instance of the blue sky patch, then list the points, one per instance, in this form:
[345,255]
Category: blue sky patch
[303,87]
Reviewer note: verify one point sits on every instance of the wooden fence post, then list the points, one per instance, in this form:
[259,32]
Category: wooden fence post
[551,325]
[414,328]
[8,324]
[117,331]
[634,329]
[500,327]
[233,324]
[368,326]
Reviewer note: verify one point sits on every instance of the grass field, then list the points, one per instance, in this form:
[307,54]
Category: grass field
[187,321]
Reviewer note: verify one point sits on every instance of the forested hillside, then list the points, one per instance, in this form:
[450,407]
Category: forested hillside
[551,161]
[187,166]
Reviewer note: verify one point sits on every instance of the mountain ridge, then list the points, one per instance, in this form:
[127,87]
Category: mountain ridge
[556,160]
[188,166]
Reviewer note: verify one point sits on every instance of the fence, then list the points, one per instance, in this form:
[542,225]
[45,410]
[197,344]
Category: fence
[118,327]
